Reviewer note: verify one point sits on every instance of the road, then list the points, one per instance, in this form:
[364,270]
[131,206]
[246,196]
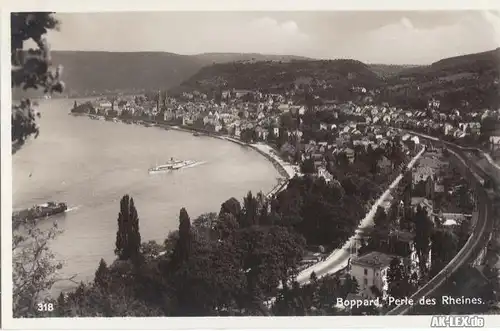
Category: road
[339,259]
[477,240]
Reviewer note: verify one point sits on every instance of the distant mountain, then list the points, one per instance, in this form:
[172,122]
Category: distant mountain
[102,72]
[211,58]
[389,70]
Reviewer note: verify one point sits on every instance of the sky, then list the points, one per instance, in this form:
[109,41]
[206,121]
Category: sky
[390,37]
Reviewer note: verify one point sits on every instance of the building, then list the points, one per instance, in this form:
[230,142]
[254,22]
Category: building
[370,271]
[494,143]
[168,115]
[322,172]
[423,203]
[452,219]
[350,153]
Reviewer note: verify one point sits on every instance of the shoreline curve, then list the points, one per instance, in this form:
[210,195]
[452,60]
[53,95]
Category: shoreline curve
[285,169]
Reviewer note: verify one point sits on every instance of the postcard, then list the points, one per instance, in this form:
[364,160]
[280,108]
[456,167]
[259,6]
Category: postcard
[250,165]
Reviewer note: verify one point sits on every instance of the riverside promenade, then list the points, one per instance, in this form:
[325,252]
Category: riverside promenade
[286,169]
[289,168]
[266,150]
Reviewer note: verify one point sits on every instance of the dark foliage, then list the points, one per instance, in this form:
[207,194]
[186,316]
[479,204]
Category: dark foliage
[128,238]
[325,214]
[31,69]
[398,280]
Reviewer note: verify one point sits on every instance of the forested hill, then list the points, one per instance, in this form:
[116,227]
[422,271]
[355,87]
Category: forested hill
[467,81]
[280,76]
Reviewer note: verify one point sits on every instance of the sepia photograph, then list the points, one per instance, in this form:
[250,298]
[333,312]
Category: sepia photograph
[253,164]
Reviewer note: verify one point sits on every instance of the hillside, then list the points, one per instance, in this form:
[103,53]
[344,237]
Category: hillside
[469,81]
[325,77]
[85,72]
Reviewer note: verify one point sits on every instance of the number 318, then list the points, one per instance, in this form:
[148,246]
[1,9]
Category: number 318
[45,307]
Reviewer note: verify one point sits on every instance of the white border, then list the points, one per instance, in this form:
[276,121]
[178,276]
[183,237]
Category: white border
[6,170]
[245,5]
[184,5]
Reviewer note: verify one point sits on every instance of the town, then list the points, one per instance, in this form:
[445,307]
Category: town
[318,140]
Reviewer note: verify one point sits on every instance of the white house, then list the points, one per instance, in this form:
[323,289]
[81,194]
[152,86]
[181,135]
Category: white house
[322,172]
[187,120]
[495,143]
[284,108]
[371,270]
[298,109]
[105,105]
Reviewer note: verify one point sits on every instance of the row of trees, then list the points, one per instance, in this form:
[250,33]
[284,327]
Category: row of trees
[220,264]
[225,263]
[318,297]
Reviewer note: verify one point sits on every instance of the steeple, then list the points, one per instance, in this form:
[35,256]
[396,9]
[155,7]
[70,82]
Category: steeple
[158,101]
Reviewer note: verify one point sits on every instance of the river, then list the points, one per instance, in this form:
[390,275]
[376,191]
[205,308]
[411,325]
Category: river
[91,164]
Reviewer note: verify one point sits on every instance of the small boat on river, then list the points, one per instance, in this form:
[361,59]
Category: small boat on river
[171,165]
[39,211]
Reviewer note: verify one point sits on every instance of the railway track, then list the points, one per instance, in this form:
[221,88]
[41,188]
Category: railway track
[481,231]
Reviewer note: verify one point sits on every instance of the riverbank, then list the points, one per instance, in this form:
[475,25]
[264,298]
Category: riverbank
[284,168]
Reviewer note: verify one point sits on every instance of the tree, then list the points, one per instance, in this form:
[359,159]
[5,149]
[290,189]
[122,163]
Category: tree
[381,224]
[326,292]
[398,280]
[226,226]
[393,214]
[151,250]
[205,223]
[350,286]
[128,238]
[89,300]
[443,249]
[231,206]
[342,161]
[423,231]
[248,135]
[31,69]
[307,166]
[463,232]
[210,280]
[250,214]
[183,246]
[372,159]
[34,267]
[101,278]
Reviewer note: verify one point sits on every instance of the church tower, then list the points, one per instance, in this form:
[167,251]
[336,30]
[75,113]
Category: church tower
[158,101]
[165,99]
